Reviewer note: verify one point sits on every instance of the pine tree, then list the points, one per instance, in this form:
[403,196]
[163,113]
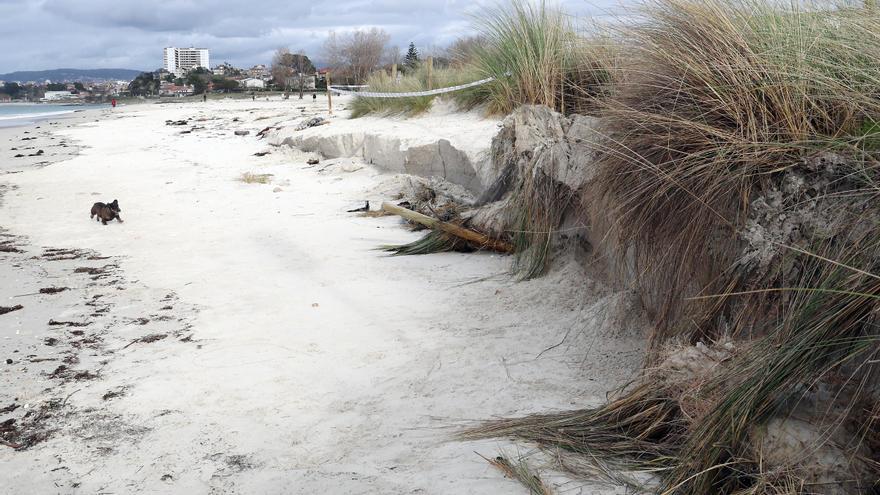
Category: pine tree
[412,56]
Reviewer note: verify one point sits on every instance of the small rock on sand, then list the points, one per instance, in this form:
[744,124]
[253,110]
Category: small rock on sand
[242,133]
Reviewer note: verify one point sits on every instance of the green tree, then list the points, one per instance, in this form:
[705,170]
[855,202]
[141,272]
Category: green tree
[79,86]
[223,84]
[169,78]
[412,59]
[287,66]
[56,87]
[199,79]
[12,89]
[143,85]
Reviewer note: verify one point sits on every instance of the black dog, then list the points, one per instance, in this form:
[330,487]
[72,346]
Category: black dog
[106,212]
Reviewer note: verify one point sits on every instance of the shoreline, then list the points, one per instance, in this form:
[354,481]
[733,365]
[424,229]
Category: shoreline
[20,145]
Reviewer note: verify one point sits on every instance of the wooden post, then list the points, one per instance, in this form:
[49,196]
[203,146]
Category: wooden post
[432,223]
[430,63]
[393,72]
[300,85]
[329,96]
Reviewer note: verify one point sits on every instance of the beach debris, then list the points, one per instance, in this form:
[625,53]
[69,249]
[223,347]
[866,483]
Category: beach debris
[9,309]
[265,131]
[55,254]
[53,290]
[148,339]
[19,156]
[176,122]
[112,394]
[473,236]
[55,323]
[38,153]
[252,178]
[277,189]
[520,471]
[313,161]
[242,133]
[91,270]
[9,361]
[8,247]
[312,122]
[262,153]
[366,207]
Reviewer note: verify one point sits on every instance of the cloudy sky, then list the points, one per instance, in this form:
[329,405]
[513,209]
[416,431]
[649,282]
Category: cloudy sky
[88,34]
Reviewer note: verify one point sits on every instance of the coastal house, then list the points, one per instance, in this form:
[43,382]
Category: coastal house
[171,89]
[253,83]
[259,71]
[225,69]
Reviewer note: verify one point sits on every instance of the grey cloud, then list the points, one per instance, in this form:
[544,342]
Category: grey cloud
[46,34]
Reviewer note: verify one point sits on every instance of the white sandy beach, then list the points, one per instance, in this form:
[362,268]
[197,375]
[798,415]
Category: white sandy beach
[299,359]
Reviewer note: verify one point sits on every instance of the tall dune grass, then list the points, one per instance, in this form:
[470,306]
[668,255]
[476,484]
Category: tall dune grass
[716,99]
[413,81]
[536,56]
[716,104]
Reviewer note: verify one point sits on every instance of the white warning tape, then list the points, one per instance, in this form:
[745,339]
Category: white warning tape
[439,91]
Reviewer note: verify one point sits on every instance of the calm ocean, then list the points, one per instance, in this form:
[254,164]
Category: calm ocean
[15,114]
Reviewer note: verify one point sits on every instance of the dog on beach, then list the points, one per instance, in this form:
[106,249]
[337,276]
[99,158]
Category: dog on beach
[106,212]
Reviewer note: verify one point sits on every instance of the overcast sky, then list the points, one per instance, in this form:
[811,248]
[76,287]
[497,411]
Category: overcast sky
[90,34]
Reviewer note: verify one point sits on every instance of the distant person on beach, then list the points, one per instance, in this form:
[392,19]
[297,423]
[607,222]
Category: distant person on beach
[113,102]
[204,97]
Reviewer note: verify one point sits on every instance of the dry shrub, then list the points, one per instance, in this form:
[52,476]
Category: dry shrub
[252,178]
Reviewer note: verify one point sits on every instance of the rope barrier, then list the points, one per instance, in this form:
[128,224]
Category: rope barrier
[439,91]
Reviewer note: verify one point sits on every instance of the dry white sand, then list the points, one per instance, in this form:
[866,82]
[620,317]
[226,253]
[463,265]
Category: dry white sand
[319,365]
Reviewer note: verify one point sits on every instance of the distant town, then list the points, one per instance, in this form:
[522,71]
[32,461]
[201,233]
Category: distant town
[185,72]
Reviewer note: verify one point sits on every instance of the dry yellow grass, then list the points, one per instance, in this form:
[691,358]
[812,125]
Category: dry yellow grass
[252,178]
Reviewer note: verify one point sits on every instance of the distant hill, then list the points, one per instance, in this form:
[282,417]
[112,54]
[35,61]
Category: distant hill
[70,75]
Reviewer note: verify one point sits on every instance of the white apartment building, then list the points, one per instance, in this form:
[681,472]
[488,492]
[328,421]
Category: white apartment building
[58,96]
[180,60]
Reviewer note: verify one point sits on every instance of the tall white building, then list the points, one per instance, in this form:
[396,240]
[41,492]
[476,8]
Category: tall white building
[179,60]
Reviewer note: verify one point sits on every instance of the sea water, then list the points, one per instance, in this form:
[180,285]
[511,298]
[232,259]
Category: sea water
[15,114]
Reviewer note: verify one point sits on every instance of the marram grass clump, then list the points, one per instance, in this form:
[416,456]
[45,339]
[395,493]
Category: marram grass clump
[536,56]
[414,80]
[716,103]
[737,178]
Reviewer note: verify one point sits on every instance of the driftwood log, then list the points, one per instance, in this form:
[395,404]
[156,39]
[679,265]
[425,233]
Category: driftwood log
[473,236]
